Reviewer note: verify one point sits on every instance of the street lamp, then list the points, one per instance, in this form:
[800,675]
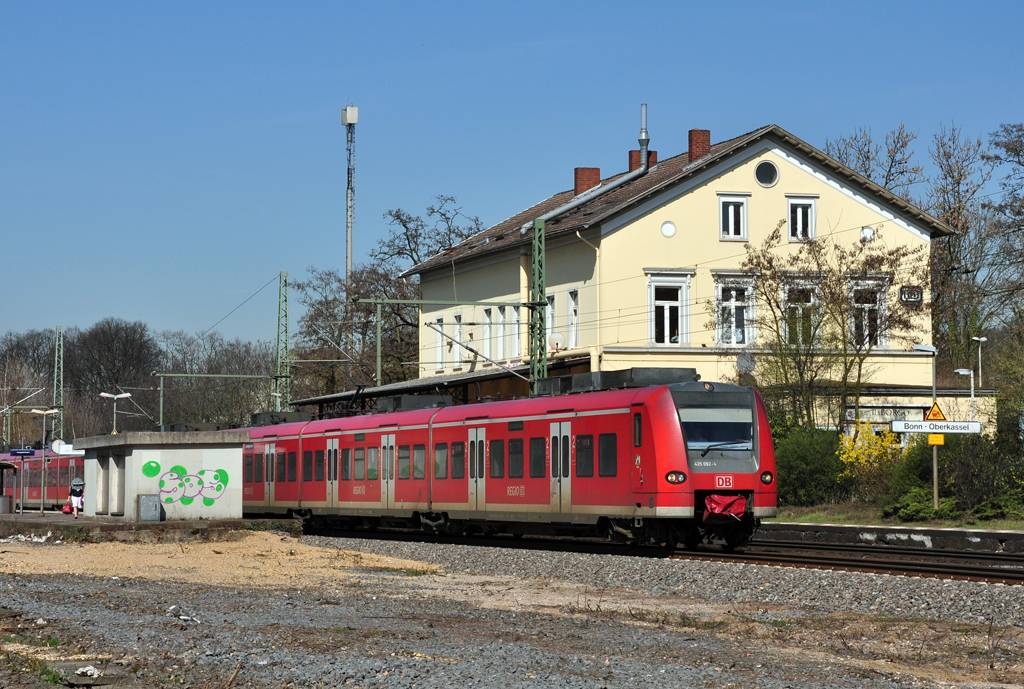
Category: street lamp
[935,448]
[115,398]
[42,498]
[979,340]
[968,372]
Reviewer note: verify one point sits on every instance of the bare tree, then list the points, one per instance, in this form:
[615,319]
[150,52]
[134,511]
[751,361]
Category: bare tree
[412,239]
[892,167]
[975,272]
[822,311]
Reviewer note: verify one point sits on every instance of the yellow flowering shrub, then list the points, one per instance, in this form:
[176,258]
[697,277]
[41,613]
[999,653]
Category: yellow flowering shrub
[869,459]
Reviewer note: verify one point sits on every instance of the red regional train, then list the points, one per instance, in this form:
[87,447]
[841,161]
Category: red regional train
[652,464]
[61,469]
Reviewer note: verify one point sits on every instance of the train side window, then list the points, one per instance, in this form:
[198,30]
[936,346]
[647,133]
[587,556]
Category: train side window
[607,455]
[292,467]
[538,463]
[257,474]
[318,465]
[371,463]
[472,459]
[80,471]
[51,479]
[346,464]
[515,458]
[64,476]
[585,455]
[458,460]
[403,461]
[497,459]
[419,461]
[246,469]
[307,465]
[637,426]
[554,456]
[359,464]
[441,460]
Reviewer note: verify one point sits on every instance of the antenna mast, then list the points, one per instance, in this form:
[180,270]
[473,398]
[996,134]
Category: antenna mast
[349,118]
[282,373]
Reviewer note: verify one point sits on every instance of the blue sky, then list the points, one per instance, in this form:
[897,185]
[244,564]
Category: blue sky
[162,161]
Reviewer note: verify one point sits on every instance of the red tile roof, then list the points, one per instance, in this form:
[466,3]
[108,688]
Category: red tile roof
[506,234]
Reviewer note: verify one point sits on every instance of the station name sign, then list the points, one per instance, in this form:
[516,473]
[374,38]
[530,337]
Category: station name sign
[936,427]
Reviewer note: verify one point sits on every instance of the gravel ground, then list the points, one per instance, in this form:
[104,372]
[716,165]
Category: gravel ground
[401,627]
[817,590]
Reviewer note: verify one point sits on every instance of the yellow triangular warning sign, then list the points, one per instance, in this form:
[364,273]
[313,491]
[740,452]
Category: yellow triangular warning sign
[935,414]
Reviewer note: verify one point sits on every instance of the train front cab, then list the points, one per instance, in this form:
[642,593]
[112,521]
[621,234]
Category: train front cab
[730,460]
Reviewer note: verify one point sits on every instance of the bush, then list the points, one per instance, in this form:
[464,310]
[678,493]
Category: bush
[809,467]
[919,505]
[869,460]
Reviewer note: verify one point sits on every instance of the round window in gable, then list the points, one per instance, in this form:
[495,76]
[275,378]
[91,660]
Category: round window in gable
[668,228]
[766,173]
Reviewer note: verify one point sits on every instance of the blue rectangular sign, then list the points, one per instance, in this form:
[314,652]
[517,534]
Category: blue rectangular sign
[23,453]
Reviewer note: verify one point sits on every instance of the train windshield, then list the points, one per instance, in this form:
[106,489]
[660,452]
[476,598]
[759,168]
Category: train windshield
[720,429]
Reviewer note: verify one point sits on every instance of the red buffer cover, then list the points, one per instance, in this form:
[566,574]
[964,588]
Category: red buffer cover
[722,509]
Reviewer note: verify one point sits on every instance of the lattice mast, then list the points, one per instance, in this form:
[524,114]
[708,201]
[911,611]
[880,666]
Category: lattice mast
[58,382]
[282,372]
[349,118]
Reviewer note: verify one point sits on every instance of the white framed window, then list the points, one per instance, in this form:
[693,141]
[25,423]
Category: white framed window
[439,344]
[734,326]
[573,336]
[868,310]
[516,351]
[499,335]
[668,298]
[457,336]
[732,217]
[550,315]
[800,305]
[488,333]
[801,218]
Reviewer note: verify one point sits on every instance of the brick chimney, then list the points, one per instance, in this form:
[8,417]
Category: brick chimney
[634,159]
[700,143]
[586,178]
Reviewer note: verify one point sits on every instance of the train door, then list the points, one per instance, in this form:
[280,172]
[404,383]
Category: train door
[387,471]
[268,475]
[477,452]
[561,483]
[332,472]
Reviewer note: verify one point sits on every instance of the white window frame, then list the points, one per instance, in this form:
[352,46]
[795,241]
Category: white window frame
[550,315]
[749,310]
[499,334]
[881,306]
[814,303]
[808,233]
[457,336]
[516,352]
[731,198]
[573,314]
[682,283]
[487,334]
[439,344]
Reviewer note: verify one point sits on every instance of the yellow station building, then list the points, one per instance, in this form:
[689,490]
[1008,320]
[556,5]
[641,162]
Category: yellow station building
[635,274]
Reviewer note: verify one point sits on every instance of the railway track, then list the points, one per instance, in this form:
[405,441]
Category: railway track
[1002,568]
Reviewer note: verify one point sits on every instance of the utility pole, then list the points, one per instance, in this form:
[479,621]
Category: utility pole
[282,374]
[58,382]
[349,118]
[538,314]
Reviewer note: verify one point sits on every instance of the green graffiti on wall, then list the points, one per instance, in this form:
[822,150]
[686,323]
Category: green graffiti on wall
[177,485]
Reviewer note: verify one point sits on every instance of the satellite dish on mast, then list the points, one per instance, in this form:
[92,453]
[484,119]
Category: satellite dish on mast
[556,341]
[746,363]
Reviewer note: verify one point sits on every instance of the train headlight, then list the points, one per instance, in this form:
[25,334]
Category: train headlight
[675,477]
[767,478]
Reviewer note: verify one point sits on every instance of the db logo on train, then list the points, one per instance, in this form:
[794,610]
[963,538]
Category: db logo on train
[723,482]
